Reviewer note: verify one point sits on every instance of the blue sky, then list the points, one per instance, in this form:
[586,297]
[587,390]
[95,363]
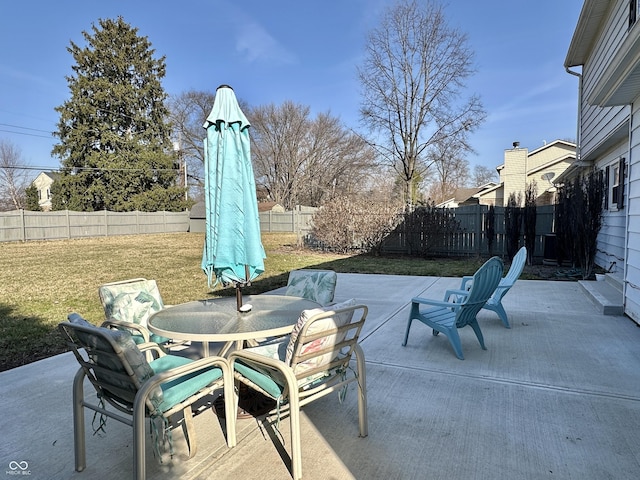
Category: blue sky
[304,51]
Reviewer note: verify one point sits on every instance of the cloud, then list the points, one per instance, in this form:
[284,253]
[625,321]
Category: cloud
[252,40]
[255,43]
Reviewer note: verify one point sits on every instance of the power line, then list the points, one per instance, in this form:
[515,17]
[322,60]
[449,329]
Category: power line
[93,169]
[24,128]
[27,134]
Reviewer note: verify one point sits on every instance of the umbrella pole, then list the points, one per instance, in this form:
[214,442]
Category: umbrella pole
[239,295]
[239,286]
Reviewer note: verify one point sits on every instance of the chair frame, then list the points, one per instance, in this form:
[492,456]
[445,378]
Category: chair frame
[135,412]
[495,301]
[459,307]
[294,396]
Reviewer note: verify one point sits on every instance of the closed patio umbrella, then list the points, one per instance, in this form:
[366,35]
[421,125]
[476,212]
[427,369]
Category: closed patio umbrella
[233,251]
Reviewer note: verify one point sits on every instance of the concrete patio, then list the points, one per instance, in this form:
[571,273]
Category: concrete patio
[555,396]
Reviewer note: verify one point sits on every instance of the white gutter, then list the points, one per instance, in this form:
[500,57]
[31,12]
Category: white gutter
[579,136]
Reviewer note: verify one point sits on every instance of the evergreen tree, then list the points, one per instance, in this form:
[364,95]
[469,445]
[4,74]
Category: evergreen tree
[32,203]
[114,136]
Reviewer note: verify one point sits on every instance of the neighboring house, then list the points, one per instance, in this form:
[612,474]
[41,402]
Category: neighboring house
[604,55]
[43,183]
[465,196]
[521,168]
[270,207]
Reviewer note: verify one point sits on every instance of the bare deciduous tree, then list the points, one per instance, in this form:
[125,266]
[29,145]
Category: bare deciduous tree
[451,169]
[299,160]
[14,178]
[482,175]
[188,113]
[412,78]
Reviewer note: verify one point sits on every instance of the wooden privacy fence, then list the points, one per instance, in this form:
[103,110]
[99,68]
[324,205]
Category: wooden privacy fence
[21,225]
[471,237]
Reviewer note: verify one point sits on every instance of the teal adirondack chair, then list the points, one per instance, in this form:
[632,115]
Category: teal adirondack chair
[495,301]
[459,307]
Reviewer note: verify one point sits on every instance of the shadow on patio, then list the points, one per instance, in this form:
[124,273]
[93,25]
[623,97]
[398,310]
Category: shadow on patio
[555,396]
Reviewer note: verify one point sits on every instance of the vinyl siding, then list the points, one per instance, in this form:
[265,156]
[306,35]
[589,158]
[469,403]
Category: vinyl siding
[611,240]
[632,274]
[598,123]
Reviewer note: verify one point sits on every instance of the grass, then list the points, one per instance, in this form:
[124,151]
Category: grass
[42,282]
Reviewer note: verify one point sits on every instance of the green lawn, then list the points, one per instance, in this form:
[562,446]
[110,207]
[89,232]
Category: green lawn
[42,282]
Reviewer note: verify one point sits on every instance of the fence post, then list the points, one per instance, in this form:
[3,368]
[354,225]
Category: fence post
[23,229]
[66,214]
[479,229]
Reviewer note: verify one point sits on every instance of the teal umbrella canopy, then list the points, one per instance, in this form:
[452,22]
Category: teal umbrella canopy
[233,251]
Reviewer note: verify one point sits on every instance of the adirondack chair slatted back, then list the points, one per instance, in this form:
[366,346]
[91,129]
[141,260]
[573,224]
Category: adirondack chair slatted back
[515,270]
[485,281]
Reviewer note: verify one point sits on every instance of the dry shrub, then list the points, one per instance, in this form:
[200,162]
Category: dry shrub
[346,224]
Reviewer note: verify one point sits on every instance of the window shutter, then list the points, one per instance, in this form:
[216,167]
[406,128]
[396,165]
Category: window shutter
[620,193]
[606,187]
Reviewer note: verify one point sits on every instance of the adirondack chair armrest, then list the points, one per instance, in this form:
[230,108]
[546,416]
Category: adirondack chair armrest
[465,281]
[458,295]
[434,303]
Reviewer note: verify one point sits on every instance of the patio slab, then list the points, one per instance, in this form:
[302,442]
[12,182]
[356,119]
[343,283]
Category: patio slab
[555,396]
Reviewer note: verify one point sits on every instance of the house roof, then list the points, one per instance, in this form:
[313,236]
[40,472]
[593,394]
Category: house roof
[552,144]
[619,82]
[592,16]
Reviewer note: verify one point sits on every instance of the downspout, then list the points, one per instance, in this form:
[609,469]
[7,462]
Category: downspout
[578,129]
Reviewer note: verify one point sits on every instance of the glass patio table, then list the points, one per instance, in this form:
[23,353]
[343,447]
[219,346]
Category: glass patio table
[217,320]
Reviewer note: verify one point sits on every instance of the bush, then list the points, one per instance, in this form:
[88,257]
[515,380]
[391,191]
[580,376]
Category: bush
[579,219]
[346,224]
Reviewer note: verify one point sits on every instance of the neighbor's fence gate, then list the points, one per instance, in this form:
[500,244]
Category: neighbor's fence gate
[471,237]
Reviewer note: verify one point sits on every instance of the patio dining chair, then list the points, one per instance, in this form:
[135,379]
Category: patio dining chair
[459,307]
[316,285]
[136,389]
[495,301]
[309,364]
[128,304]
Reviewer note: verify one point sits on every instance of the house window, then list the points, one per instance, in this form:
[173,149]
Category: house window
[617,184]
[633,12]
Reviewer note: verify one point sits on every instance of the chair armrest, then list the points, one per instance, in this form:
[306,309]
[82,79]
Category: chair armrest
[259,359]
[465,280]
[156,350]
[263,361]
[184,370]
[456,293]
[435,303]
[120,325]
